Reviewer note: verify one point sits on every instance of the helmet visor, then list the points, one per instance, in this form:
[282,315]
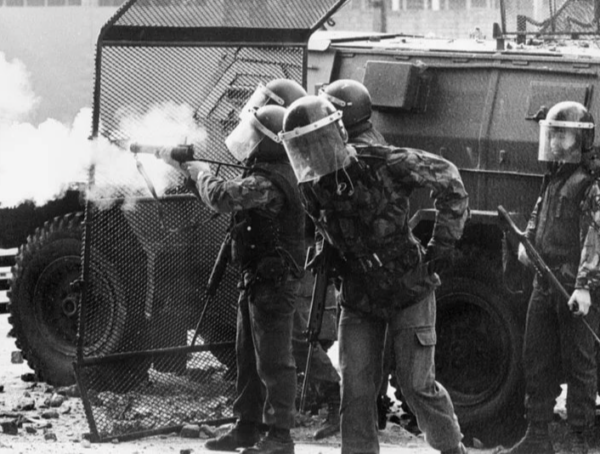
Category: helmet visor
[317,149]
[261,97]
[560,141]
[244,139]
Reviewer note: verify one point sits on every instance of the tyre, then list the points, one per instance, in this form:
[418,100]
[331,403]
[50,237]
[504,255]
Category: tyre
[478,359]
[44,305]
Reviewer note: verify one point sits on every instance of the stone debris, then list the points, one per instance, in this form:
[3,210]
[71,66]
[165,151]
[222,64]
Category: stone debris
[49,414]
[207,432]
[16,357]
[55,401]
[190,431]
[69,391]
[26,403]
[28,377]
[50,436]
[9,426]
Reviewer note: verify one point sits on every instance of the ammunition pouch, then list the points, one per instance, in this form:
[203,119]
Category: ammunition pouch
[405,256]
[382,283]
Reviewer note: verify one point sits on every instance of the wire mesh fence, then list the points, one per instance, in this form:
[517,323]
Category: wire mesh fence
[550,17]
[145,363]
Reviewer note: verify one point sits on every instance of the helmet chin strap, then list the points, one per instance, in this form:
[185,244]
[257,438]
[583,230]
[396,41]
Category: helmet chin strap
[341,186]
[344,134]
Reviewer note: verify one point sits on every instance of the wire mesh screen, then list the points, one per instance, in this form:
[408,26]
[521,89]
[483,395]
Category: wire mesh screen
[262,14]
[551,17]
[147,260]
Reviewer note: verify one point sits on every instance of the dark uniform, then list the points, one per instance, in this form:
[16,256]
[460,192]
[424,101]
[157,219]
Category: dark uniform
[558,345]
[563,230]
[268,245]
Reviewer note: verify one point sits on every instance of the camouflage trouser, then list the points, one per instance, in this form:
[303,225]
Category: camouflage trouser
[322,369]
[266,381]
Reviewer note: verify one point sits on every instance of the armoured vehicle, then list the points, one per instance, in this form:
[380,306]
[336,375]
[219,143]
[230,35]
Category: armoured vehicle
[137,312]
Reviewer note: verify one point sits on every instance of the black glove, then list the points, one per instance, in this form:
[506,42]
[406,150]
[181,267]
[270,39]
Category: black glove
[438,257]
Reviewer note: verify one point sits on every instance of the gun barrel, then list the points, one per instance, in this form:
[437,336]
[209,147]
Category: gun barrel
[145,149]
[181,153]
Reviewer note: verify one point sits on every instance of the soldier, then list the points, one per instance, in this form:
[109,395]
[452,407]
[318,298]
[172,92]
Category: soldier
[324,376]
[268,245]
[358,198]
[564,229]
[354,101]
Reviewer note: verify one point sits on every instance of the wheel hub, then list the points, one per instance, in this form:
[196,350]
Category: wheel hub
[70,305]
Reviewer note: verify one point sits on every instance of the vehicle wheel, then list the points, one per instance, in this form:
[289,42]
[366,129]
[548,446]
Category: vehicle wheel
[44,306]
[478,359]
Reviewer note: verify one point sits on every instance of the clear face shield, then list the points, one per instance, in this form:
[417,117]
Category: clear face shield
[261,96]
[561,141]
[247,136]
[316,149]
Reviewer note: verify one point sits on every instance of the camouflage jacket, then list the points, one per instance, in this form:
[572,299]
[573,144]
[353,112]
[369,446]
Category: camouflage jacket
[241,193]
[363,211]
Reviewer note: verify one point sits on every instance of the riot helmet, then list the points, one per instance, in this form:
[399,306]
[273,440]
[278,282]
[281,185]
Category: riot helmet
[256,135]
[566,133]
[280,92]
[314,138]
[351,97]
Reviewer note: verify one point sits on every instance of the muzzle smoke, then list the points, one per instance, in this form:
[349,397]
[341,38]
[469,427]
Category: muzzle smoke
[40,163]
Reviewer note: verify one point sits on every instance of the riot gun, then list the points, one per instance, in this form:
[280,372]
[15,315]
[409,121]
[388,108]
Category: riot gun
[538,263]
[179,153]
[321,256]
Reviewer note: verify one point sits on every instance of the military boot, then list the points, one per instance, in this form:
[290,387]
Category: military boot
[277,441]
[331,425]
[384,404]
[536,441]
[242,435]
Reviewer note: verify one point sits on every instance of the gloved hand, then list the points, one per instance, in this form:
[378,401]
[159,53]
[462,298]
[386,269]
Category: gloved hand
[580,301]
[438,257]
[523,257]
[193,169]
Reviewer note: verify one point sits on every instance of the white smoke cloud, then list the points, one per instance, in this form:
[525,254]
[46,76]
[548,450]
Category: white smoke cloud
[17,99]
[40,163]
[37,163]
